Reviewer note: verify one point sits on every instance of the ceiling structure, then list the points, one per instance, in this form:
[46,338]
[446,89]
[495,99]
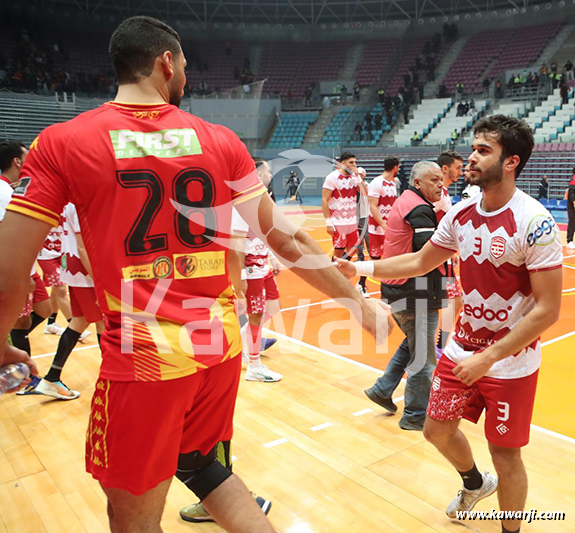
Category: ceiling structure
[306,12]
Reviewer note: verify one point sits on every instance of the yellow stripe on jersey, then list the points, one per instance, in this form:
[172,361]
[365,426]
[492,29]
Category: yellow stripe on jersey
[256,187]
[249,196]
[33,212]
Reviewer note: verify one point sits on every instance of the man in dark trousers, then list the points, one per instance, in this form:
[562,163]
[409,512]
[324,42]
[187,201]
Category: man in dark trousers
[571,212]
[543,191]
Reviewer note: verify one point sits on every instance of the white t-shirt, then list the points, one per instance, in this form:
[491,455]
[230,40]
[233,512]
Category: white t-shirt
[256,251]
[5,196]
[342,204]
[498,250]
[386,193]
[73,272]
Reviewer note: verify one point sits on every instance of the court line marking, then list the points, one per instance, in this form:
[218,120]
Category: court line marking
[321,426]
[568,290]
[362,412]
[559,436]
[74,350]
[273,443]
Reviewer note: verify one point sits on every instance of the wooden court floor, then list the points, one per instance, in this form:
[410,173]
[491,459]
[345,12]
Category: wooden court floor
[330,460]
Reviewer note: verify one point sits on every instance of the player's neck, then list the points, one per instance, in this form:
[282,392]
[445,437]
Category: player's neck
[387,176]
[141,93]
[11,176]
[494,198]
[446,182]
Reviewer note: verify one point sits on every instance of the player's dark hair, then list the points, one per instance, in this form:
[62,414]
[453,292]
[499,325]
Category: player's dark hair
[259,161]
[448,158]
[513,134]
[9,150]
[573,171]
[136,44]
[345,156]
[389,163]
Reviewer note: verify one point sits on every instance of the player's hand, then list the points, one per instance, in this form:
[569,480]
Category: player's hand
[347,268]
[241,305]
[455,261]
[330,229]
[9,354]
[473,368]
[244,286]
[276,267]
[376,319]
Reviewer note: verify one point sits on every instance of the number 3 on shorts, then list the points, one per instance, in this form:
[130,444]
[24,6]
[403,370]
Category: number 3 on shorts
[504,411]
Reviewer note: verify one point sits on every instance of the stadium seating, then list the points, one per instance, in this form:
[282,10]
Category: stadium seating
[441,133]
[377,55]
[552,119]
[426,115]
[341,129]
[291,129]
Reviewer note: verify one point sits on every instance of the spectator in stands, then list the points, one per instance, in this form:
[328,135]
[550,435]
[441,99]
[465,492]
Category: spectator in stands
[378,121]
[368,120]
[406,113]
[486,84]
[356,92]
[498,90]
[442,91]
[416,139]
[358,130]
[543,70]
[454,137]
[381,95]
[555,79]
[460,109]
[564,92]
[511,81]
[568,69]
[344,94]
[570,195]
[459,88]
[307,94]
[554,68]
[472,105]
[543,191]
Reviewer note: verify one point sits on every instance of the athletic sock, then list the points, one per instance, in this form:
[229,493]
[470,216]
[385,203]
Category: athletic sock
[254,340]
[36,321]
[472,479]
[52,318]
[20,339]
[362,281]
[99,339]
[68,340]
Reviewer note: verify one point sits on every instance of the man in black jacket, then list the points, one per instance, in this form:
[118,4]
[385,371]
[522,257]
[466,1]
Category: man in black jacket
[416,301]
[543,191]
[571,213]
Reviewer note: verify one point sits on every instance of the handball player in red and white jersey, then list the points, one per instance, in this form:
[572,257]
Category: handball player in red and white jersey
[382,194]
[153,187]
[339,205]
[511,259]
[259,286]
[451,164]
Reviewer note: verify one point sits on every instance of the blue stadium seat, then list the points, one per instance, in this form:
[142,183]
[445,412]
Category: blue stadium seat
[562,206]
[455,199]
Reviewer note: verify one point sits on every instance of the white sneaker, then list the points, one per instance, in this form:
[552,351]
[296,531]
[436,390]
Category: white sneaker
[571,245]
[363,290]
[466,499]
[262,373]
[84,336]
[56,390]
[54,329]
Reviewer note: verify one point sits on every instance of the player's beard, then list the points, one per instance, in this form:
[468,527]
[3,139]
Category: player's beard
[176,94]
[489,177]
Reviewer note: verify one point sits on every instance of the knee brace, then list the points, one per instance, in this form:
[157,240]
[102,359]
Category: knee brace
[202,473]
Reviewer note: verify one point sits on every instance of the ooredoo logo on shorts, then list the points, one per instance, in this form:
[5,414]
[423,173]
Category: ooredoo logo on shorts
[481,312]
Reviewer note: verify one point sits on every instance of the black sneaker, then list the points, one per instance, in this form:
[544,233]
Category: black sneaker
[386,403]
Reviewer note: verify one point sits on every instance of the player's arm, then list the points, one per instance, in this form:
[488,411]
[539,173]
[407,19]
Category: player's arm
[237,246]
[298,251]
[374,211]
[83,254]
[546,286]
[325,196]
[362,187]
[15,275]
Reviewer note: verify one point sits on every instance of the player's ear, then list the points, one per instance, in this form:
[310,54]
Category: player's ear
[167,60]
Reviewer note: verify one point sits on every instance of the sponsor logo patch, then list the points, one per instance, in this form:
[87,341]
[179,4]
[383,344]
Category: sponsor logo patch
[137,272]
[201,265]
[163,144]
[162,267]
[22,186]
[541,231]
[497,248]
[502,429]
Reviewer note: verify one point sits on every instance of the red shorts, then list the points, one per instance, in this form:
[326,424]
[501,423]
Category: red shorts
[376,245]
[40,294]
[138,429]
[51,269]
[259,291]
[508,403]
[345,237]
[83,302]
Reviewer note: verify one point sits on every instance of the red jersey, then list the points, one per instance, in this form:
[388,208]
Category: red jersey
[153,187]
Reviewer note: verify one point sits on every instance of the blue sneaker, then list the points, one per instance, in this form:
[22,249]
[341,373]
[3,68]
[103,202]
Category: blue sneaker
[267,344]
[31,387]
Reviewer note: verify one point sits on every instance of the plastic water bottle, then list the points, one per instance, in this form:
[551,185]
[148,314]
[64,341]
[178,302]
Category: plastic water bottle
[12,375]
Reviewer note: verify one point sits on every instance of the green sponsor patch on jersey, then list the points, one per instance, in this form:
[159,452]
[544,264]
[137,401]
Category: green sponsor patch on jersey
[163,144]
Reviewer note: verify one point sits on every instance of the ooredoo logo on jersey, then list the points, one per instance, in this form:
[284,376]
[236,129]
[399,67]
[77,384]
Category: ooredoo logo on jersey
[541,231]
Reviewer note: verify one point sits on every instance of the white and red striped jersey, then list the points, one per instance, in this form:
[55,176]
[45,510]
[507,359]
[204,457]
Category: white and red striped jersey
[443,205]
[52,248]
[386,193]
[498,251]
[73,272]
[343,201]
[6,191]
[255,250]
